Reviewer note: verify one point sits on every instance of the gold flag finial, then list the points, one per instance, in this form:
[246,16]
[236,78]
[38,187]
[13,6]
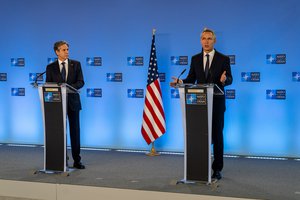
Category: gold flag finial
[153,31]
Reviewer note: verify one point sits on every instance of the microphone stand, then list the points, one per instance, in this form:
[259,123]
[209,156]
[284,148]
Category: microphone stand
[179,76]
[35,84]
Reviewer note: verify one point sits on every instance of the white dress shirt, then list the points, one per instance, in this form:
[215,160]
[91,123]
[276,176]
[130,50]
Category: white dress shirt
[211,56]
[66,66]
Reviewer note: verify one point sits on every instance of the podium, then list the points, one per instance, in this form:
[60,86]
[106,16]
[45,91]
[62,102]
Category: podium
[196,104]
[53,98]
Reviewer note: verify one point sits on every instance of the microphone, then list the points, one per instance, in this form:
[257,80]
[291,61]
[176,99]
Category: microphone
[35,84]
[180,75]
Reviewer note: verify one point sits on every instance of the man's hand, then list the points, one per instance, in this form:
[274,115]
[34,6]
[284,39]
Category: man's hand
[175,81]
[223,78]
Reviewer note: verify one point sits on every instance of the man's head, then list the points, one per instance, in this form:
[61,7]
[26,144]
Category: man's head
[208,40]
[61,49]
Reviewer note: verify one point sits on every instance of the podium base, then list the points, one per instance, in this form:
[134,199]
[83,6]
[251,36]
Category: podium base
[212,183]
[183,181]
[62,173]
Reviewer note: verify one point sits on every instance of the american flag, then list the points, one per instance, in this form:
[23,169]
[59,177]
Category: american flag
[154,124]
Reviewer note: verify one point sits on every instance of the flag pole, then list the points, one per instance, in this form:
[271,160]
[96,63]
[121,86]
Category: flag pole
[153,125]
[153,152]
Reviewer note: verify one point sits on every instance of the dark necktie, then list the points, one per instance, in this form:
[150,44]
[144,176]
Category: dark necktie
[206,66]
[63,72]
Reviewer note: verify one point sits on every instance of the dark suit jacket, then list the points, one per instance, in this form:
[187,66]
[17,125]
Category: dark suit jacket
[75,79]
[220,63]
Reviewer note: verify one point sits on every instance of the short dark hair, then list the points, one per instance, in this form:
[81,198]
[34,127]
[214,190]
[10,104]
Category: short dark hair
[58,44]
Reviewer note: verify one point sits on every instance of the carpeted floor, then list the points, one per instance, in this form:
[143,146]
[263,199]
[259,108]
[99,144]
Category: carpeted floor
[242,177]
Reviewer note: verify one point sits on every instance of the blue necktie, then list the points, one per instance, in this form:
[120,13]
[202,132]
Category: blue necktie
[206,66]
[63,72]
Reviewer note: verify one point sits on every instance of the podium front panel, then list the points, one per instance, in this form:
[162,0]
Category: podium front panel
[197,145]
[196,104]
[54,125]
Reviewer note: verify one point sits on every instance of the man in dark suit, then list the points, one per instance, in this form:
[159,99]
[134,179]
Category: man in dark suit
[65,70]
[210,66]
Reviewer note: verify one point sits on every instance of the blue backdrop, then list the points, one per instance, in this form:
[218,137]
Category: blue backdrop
[115,30]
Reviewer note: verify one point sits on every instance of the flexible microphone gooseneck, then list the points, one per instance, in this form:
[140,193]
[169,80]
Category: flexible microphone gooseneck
[35,84]
[180,75]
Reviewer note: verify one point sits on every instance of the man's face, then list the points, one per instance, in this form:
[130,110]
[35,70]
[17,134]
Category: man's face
[207,41]
[62,52]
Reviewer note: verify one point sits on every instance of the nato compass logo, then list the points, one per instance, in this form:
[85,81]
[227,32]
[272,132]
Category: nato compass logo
[135,93]
[94,61]
[32,77]
[19,62]
[250,76]
[276,94]
[114,77]
[232,59]
[179,60]
[135,61]
[230,94]
[191,99]
[276,58]
[162,77]
[3,76]
[174,93]
[17,91]
[48,96]
[51,60]
[296,76]
[94,92]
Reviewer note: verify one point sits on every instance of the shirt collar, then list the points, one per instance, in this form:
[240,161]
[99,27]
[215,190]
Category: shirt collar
[59,61]
[211,54]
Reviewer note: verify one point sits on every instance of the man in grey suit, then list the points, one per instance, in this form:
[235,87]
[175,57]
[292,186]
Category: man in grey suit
[210,66]
[65,70]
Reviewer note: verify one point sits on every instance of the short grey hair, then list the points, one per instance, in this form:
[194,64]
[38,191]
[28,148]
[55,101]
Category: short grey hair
[207,30]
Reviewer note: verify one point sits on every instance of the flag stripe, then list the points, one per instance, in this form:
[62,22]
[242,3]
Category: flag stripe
[157,115]
[149,124]
[153,121]
[145,136]
[156,97]
[157,84]
[148,127]
[145,132]
[156,123]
